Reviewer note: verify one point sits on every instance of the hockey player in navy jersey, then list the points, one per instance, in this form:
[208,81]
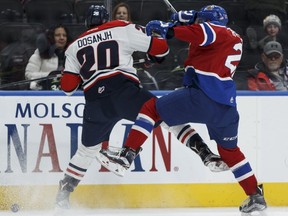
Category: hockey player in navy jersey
[101,61]
[208,96]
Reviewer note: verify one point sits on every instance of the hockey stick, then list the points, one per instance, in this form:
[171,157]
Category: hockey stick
[22,82]
[170,6]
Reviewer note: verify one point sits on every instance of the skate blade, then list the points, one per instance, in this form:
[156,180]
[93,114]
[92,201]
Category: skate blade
[255,213]
[110,165]
[260,210]
[217,166]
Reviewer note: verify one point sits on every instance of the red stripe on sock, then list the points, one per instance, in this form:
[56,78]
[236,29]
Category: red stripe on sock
[187,134]
[73,172]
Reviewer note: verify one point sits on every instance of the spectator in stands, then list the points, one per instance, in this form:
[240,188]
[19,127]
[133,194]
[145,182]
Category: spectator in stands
[48,57]
[271,27]
[271,73]
[257,10]
[122,12]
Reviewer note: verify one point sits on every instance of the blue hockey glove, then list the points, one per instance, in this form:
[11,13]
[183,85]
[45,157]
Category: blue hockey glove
[158,27]
[184,17]
[190,78]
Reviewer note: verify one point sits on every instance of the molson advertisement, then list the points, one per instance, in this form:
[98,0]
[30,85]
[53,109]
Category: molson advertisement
[41,131]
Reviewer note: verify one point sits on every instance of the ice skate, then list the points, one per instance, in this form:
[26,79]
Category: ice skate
[255,202]
[117,160]
[211,160]
[66,186]
[215,163]
[62,199]
[104,157]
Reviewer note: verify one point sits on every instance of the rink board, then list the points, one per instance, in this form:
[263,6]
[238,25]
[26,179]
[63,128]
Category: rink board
[40,131]
[140,196]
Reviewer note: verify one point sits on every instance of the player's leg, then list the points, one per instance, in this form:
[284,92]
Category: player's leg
[189,137]
[243,173]
[143,126]
[128,101]
[138,134]
[190,105]
[97,125]
[226,138]
[74,173]
[222,123]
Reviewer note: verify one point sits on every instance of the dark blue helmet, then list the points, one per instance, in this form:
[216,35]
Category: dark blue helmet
[96,15]
[213,13]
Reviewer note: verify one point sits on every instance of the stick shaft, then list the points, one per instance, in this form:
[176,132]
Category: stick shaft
[170,6]
[22,82]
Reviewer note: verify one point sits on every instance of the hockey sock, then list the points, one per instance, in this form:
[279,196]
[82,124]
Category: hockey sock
[240,167]
[183,133]
[143,125]
[82,159]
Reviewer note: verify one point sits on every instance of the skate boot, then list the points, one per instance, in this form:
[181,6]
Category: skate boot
[255,202]
[118,160]
[66,186]
[211,160]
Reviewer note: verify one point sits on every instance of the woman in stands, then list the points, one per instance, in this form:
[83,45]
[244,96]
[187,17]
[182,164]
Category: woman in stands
[48,57]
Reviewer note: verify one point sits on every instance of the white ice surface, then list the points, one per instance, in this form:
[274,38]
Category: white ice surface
[271,211]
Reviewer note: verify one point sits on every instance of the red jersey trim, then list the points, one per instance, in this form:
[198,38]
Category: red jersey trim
[108,25]
[157,46]
[70,81]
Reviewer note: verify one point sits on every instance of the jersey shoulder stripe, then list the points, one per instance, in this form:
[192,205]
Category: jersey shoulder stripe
[209,34]
[108,25]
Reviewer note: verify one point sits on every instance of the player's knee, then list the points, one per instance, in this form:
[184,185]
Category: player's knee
[149,109]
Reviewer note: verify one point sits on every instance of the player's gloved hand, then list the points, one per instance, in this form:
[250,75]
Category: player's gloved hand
[158,27]
[189,78]
[148,63]
[184,17]
[155,59]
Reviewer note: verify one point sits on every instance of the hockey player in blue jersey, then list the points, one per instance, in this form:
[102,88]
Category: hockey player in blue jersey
[208,96]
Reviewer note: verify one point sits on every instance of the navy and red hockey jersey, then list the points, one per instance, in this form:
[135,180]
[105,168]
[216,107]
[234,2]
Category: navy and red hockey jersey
[101,58]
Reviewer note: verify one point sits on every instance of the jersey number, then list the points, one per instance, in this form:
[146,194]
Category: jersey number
[233,58]
[105,54]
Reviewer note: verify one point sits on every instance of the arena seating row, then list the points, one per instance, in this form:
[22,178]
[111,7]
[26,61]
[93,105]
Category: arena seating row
[23,22]
[50,12]
[72,13]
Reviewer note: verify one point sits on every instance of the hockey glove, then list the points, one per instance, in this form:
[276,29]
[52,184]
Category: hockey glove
[184,17]
[155,59]
[190,78]
[158,27]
